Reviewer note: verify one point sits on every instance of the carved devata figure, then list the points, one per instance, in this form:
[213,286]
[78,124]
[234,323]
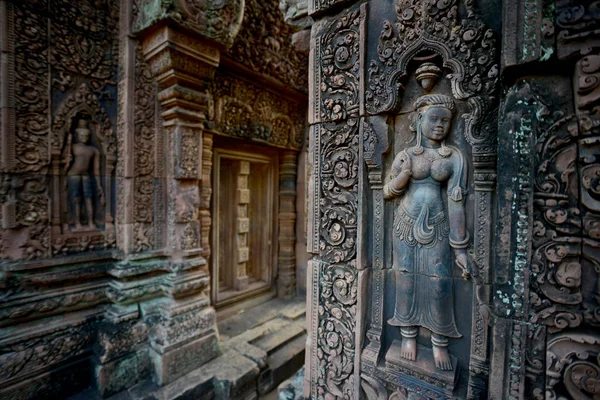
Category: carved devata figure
[82,170]
[426,230]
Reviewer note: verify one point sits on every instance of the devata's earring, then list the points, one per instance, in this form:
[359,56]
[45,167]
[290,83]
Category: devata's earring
[444,151]
[418,149]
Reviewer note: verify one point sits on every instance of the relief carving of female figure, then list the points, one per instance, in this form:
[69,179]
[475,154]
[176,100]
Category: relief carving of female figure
[426,230]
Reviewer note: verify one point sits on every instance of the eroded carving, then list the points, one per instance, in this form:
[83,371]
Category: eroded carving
[573,368]
[247,111]
[265,45]
[82,170]
[83,160]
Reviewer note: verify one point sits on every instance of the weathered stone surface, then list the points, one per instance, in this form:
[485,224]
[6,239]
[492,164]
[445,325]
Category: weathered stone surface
[378,74]
[292,388]
[108,110]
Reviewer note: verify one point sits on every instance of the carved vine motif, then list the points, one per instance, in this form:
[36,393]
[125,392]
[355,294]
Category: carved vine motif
[264,44]
[576,24]
[336,148]
[468,50]
[244,110]
[556,268]
[336,94]
[587,99]
[336,346]
[573,366]
[145,138]
[535,361]
[84,37]
[49,348]
[217,19]
[31,86]
[338,205]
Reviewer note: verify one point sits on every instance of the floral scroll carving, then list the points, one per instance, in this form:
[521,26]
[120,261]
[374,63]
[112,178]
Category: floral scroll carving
[336,343]
[219,20]
[246,111]
[146,190]
[573,366]
[31,77]
[82,32]
[265,45]
[335,146]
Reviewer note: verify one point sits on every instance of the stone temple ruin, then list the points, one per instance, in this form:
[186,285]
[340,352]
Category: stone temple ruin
[376,199]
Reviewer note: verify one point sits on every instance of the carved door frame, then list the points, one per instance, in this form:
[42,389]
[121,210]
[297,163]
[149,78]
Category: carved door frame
[226,149]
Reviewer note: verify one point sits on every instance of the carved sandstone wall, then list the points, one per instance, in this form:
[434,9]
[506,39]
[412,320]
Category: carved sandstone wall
[109,110]
[517,82]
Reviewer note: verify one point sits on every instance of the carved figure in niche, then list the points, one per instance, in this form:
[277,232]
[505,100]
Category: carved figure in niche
[426,230]
[81,158]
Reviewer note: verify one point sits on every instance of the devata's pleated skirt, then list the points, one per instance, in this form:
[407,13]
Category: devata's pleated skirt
[422,264]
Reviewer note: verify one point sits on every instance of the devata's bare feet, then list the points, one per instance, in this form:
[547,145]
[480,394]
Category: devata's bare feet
[408,350]
[442,358]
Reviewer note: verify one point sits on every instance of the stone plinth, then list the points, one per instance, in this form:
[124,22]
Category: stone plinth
[423,369]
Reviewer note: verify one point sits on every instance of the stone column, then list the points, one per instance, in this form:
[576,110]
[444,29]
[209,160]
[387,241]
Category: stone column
[185,336]
[286,283]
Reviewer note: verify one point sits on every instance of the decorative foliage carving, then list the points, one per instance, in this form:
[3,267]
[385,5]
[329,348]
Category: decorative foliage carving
[336,96]
[577,24]
[145,154]
[244,110]
[46,348]
[339,186]
[587,100]
[335,146]
[84,37]
[556,247]
[573,366]
[265,45]
[336,343]
[31,80]
[219,20]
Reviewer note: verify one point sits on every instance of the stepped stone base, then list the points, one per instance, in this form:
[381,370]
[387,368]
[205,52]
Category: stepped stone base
[264,347]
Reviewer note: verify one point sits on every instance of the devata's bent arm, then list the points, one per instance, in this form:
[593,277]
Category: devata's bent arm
[400,176]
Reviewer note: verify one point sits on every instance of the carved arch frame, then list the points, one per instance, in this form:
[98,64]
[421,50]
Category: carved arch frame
[82,101]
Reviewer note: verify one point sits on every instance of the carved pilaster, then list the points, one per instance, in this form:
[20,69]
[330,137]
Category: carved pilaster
[286,282]
[334,206]
[182,66]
